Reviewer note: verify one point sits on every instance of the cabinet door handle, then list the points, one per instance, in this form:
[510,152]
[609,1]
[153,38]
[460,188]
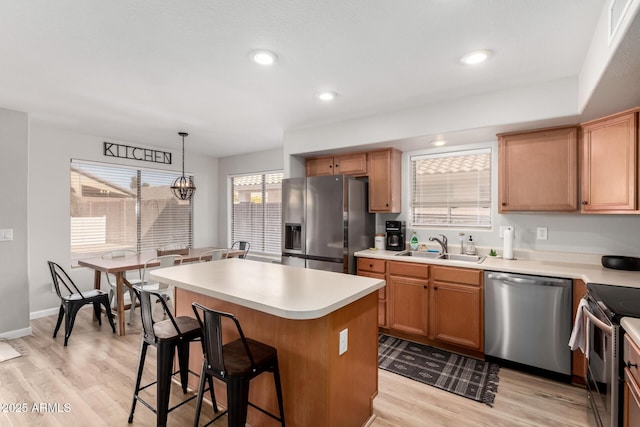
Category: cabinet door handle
[504,203]
[330,166]
[337,165]
[629,364]
[584,202]
[370,265]
[425,286]
[435,288]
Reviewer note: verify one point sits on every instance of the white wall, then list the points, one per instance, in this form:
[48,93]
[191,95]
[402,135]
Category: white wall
[549,100]
[50,152]
[262,161]
[14,166]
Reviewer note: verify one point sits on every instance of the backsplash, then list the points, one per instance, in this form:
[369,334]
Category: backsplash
[573,233]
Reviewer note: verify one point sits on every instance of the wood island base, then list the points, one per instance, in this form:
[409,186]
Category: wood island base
[320,387]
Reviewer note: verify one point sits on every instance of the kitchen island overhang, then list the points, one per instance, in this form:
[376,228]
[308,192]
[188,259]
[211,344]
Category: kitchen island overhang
[300,312]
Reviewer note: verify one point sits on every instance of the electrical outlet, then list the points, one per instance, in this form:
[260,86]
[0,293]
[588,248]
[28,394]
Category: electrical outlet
[344,341]
[6,234]
[541,233]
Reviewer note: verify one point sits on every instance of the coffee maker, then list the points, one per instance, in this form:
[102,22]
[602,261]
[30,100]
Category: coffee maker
[395,235]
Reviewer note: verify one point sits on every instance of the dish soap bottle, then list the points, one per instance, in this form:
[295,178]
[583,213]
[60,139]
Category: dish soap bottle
[414,241]
[470,248]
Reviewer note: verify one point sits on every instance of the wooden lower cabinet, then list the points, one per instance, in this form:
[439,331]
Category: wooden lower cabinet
[408,304]
[408,298]
[631,414]
[456,307]
[436,305]
[376,269]
[631,359]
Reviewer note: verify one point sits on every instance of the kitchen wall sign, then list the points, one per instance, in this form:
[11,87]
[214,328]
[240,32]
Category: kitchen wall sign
[122,151]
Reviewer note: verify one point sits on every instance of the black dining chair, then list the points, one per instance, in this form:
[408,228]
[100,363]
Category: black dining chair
[234,363]
[73,300]
[241,245]
[174,333]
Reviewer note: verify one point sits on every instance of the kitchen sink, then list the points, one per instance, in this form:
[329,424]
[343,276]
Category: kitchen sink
[460,257]
[421,254]
[451,257]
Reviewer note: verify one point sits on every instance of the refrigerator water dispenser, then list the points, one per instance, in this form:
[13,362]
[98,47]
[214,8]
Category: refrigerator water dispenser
[293,236]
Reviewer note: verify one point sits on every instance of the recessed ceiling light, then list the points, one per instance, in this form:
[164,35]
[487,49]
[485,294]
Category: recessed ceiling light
[326,96]
[264,57]
[475,57]
[438,142]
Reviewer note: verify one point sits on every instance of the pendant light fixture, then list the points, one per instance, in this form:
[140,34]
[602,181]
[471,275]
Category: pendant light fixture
[183,187]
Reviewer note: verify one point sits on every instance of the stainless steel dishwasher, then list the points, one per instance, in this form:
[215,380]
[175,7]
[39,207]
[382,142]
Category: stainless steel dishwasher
[528,320]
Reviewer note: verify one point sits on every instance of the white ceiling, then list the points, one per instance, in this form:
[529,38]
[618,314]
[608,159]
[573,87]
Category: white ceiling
[141,71]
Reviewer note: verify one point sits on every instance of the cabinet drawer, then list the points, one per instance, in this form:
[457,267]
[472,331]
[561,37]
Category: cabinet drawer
[632,357]
[457,275]
[370,264]
[400,268]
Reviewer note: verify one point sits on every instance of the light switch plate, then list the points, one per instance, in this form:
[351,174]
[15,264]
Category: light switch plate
[6,234]
[344,341]
[542,233]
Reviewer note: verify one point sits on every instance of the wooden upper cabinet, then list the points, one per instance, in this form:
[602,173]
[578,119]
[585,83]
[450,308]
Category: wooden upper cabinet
[319,166]
[382,167]
[350,164]
[347,164]
[385,186]
[538,170]
[610,164]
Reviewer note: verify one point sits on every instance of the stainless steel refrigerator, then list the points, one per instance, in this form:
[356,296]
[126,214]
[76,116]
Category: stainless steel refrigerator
[325,219]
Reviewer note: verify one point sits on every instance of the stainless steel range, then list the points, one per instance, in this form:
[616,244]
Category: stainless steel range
[606,305]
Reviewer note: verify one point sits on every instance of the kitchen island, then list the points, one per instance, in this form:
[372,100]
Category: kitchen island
[301,313]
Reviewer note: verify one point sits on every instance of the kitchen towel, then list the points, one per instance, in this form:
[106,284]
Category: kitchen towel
[577,334]
[507,251]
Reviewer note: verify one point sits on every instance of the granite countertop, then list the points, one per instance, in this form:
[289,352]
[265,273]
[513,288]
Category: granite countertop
[284,291]
[568,266]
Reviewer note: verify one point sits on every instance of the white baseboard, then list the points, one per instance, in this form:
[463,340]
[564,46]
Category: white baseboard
[44,313]
[16,334]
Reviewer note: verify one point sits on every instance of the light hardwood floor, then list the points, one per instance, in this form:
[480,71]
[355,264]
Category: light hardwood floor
[94,376]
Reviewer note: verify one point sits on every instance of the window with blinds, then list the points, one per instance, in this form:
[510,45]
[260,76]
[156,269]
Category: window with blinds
[257,211]
[451,189]
[117,207]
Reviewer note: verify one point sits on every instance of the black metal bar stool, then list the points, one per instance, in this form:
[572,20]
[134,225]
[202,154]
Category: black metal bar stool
[167,336]
[235,363]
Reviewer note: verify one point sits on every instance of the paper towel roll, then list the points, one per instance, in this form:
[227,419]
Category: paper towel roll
[507,251]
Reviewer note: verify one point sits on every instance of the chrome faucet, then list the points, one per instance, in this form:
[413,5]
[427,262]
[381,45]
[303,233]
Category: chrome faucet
[443,242]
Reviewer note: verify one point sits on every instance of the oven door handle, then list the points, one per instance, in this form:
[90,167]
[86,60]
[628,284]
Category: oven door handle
[599,323]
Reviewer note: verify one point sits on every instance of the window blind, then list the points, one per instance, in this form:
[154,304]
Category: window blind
[257,211]
[117,207]
[451,189]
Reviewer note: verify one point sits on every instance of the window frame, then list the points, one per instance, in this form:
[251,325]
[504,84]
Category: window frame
[138,201]
[230,216]
[489,185]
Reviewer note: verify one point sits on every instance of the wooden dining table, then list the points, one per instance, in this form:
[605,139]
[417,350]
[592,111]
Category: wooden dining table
[118,266]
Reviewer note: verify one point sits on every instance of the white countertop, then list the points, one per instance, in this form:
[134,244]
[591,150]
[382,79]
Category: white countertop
[588,272]
[284,291]
[631,326]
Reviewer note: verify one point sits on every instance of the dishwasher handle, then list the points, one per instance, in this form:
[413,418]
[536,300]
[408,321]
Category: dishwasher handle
[518,279]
